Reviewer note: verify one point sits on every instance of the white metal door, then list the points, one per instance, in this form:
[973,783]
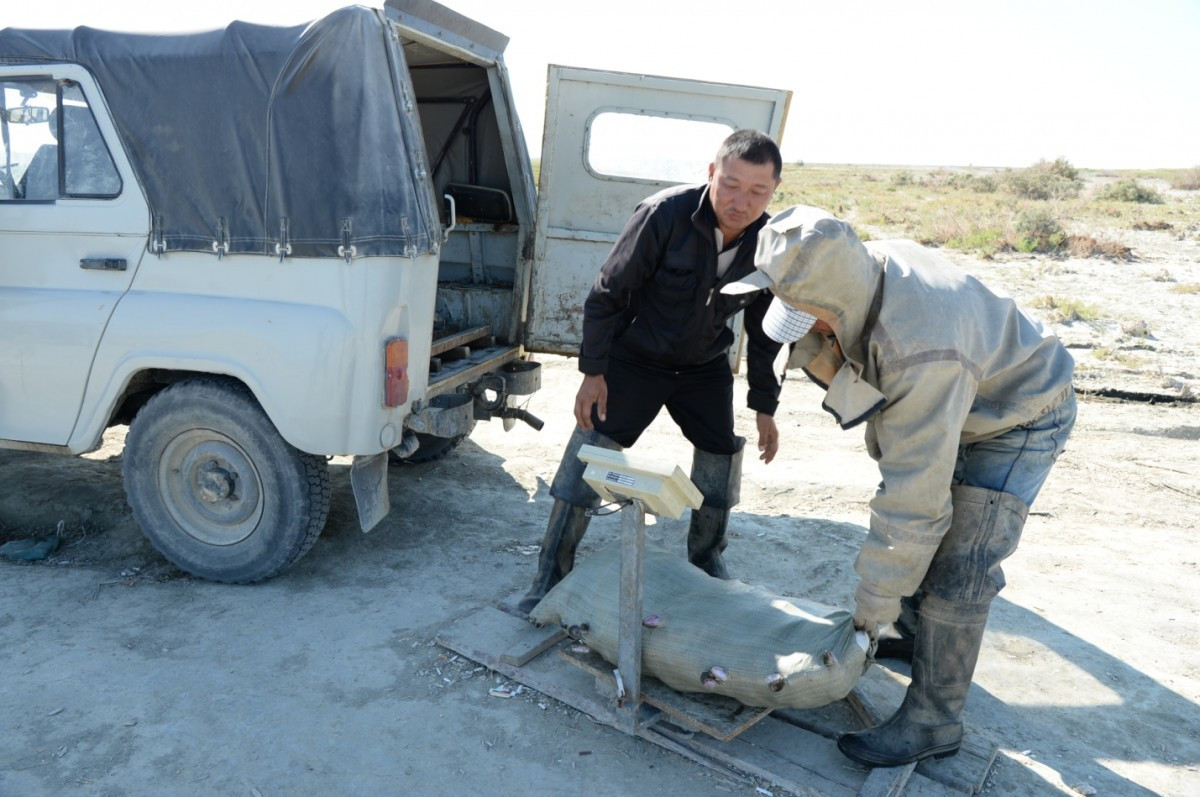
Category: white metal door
[65,262]
[611,140]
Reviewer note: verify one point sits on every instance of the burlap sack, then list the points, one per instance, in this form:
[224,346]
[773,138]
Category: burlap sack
[720,637]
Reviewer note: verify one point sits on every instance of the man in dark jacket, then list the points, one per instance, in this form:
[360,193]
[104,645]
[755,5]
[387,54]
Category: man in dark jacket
[655,334]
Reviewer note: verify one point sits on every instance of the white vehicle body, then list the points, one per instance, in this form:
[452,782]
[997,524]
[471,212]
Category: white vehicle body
[355,352]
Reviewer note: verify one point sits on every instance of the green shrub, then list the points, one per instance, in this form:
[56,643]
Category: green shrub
[1130,191]
[987,241]
[979,183]
[1038,230]
[1044,180]
[1065,310]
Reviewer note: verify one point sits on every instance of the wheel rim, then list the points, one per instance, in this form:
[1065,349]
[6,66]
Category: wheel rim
[210,487]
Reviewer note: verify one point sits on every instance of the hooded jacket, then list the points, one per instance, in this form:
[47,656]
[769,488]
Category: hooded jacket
[930,359]
[658,300]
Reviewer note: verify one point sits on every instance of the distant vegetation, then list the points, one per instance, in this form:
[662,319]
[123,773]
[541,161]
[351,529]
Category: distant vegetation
[1050,207]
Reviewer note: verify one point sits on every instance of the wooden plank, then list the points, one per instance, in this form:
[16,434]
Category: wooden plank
[454,354]
[720,717]
[454,340]
[967,770]
[531,642]
[766,764]
[462,371]
[886,782]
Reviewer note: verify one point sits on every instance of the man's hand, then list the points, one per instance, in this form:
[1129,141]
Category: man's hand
[872,611]
[768,437]
[592,393]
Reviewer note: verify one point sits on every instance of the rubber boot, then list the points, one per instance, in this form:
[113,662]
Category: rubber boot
[568,517]
[718,478]
[896,641]
[962,581]
[929,721]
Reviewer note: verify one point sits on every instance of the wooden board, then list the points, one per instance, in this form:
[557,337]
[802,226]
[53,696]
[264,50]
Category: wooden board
[795,751]
[717,716]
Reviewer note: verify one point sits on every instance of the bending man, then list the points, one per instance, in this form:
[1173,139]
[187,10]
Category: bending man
[967,404]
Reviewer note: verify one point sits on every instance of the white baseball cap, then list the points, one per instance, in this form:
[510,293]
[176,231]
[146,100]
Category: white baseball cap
[784,323]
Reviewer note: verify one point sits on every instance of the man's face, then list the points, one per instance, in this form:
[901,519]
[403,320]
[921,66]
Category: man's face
[740,192]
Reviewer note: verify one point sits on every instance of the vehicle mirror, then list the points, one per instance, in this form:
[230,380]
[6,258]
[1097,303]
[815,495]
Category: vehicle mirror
[28,115]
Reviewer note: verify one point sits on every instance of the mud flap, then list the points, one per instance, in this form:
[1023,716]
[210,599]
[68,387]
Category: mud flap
[368,478]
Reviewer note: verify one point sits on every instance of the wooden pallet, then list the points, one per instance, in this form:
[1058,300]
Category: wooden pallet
[795,751]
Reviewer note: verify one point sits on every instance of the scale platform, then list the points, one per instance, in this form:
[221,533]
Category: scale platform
[795,751]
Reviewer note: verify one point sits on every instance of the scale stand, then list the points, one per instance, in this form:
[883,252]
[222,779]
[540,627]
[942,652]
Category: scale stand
[792,750]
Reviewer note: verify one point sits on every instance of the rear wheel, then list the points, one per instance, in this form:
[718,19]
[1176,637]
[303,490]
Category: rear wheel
[214,486]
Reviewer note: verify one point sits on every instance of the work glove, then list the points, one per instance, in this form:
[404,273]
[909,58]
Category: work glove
[874,612]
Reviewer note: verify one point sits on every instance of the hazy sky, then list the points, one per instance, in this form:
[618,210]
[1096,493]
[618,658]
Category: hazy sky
[1103,83]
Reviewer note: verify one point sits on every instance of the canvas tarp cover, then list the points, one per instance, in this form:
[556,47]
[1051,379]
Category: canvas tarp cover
[773,651]
[236,133]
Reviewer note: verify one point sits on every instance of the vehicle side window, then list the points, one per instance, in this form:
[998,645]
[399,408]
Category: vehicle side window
[52,146]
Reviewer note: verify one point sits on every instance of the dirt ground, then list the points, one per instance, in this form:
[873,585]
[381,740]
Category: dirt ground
[119,675]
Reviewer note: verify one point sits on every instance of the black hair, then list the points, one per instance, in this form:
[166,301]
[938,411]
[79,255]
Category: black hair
[751,146]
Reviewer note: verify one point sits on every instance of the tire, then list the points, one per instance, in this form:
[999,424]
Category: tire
[431,447]
[216,489]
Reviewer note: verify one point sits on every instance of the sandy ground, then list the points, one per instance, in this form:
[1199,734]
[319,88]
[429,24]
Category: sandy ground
[119,675]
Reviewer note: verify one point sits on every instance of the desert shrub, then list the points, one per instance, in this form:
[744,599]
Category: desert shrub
[987,241]
[965,181]
[1038,230]
[1187,180]
[1056,179]
[904,178]
[1186,287]
[1087,246]
[1130,191]
[1065,310]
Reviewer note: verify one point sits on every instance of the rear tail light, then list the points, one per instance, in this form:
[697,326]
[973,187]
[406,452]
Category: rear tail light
[395,377]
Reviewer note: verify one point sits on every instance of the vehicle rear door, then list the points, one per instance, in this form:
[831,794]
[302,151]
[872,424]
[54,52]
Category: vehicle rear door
[611,140]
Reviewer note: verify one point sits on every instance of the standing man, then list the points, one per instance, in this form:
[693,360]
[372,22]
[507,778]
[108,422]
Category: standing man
[967,404]
[655,335]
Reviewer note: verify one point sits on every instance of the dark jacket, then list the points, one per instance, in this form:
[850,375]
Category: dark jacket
[657,299]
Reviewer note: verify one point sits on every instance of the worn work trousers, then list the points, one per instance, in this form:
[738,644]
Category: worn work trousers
[699,399]
[1018,461]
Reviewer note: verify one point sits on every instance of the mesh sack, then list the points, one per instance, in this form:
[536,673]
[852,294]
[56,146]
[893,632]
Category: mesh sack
[719,637]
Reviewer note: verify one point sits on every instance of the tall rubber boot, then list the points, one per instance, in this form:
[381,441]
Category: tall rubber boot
[962,581]
[568,517]
[718,477]
[929,721]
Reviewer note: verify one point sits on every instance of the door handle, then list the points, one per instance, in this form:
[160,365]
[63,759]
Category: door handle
[103,263]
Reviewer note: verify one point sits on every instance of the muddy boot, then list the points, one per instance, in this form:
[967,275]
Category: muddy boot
[718,478]
[568,517]
[896,642]
[929,721]
[962,581]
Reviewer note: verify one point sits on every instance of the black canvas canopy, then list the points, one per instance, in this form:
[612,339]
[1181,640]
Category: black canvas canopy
[252,136]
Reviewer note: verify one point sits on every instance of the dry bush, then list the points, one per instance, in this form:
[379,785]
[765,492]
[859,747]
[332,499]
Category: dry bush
[1064,310]
[1130,191]
[1087,246]
[1188,180]
[1186,287]
[1044,180]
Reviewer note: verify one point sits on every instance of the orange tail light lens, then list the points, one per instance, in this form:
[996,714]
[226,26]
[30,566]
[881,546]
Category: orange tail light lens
[395,378]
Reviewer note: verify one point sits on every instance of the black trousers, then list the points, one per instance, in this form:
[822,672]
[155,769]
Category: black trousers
[699,399]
